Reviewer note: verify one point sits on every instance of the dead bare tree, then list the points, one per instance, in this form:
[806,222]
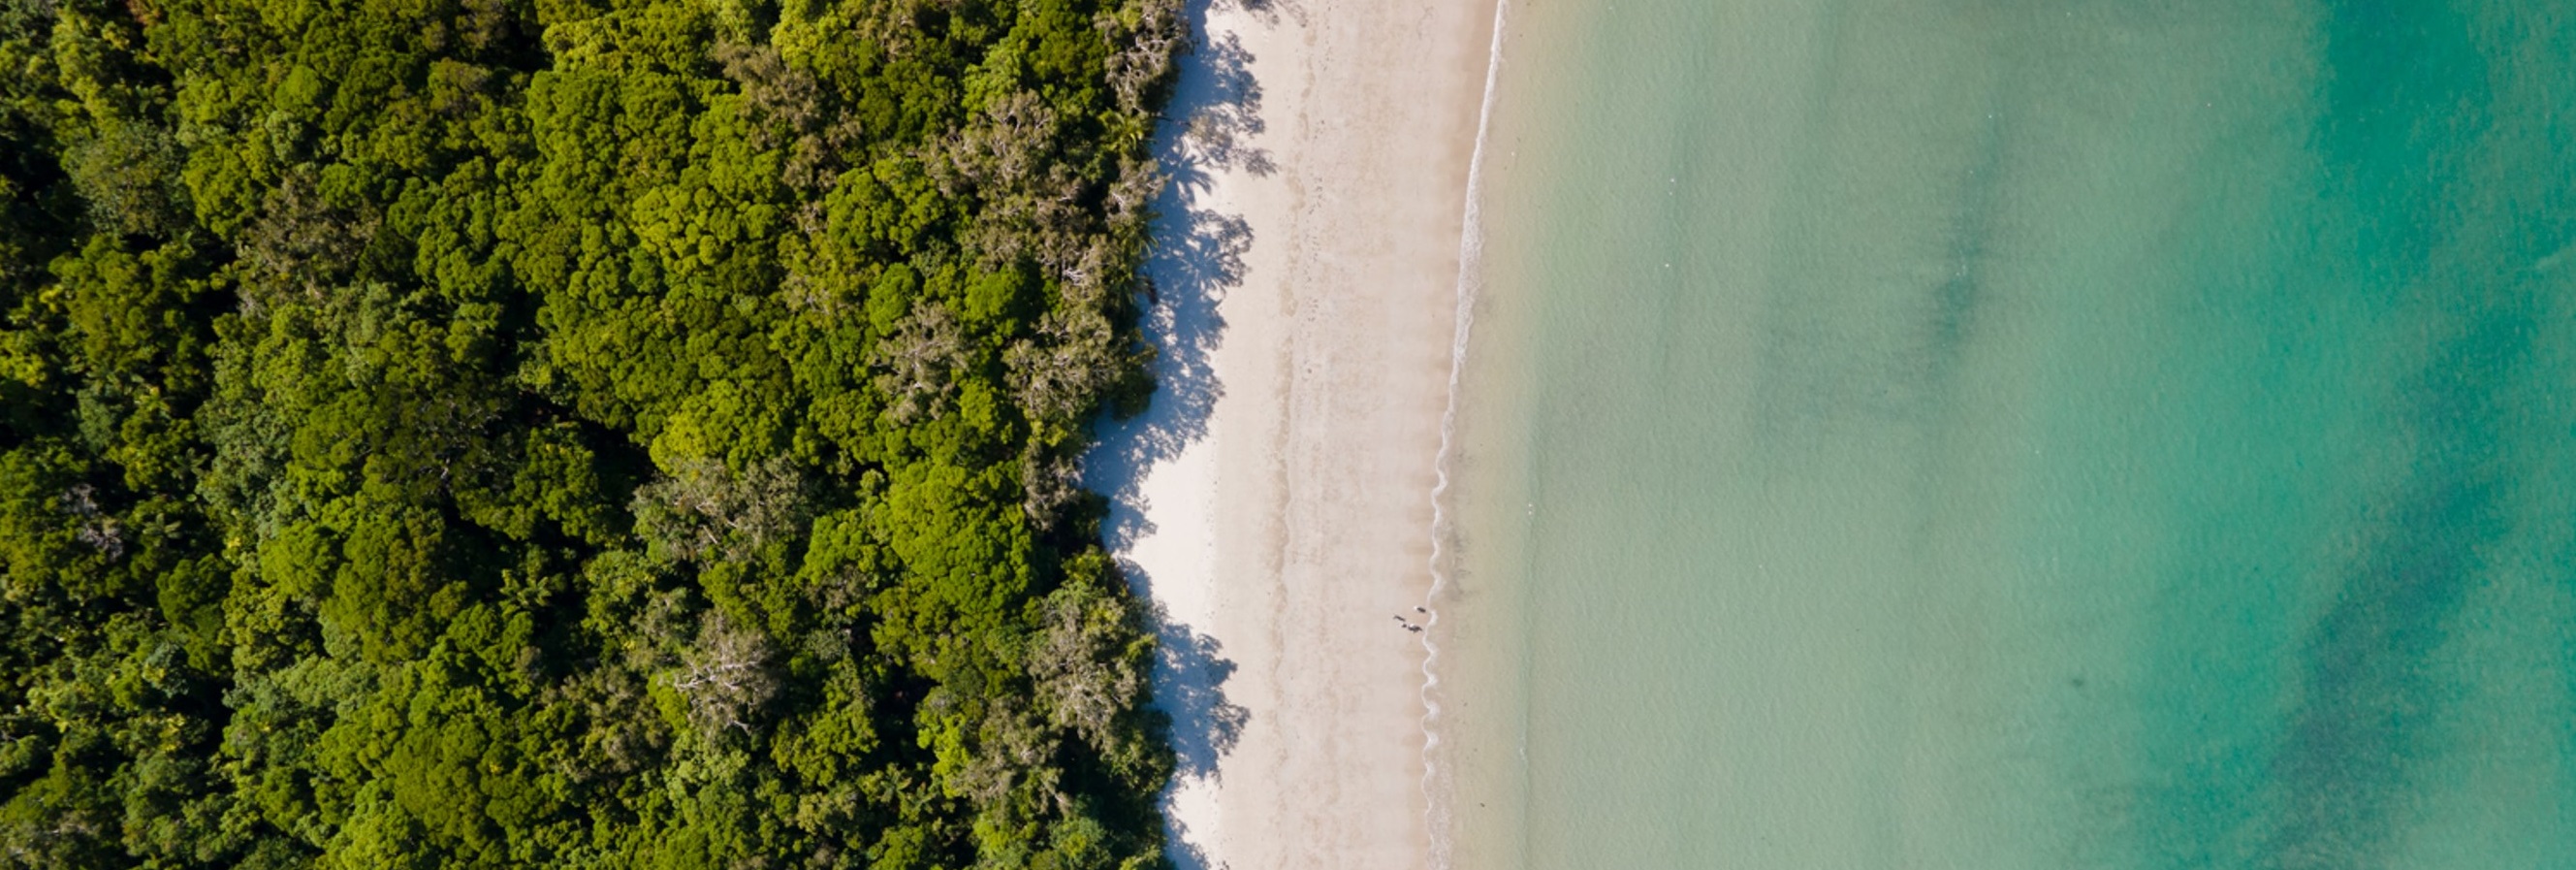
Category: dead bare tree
[1007,752]
[97,529]
[1156,38]
[1087,662]
[704,510]
[724,674]
[917,365]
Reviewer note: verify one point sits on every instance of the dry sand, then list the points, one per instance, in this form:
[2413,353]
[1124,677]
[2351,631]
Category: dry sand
[1276,501]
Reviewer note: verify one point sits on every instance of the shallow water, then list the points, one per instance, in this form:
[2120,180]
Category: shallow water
[2020,434]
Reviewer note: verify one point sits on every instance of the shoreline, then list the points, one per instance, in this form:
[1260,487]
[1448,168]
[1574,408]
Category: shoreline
[1439,785]
[1275,504]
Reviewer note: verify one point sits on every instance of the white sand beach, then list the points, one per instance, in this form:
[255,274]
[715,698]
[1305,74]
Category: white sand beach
[1276,500]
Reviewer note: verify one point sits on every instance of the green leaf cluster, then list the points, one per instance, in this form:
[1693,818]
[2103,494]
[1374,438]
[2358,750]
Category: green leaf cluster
[570,433]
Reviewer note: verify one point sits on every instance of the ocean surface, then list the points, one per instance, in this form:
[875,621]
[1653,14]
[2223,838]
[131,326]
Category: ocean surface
[2018,435]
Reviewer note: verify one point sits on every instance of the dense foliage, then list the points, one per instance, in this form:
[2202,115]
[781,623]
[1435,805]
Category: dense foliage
[569,433]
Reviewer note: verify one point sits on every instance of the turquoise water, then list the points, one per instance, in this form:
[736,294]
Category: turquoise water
[2020,435]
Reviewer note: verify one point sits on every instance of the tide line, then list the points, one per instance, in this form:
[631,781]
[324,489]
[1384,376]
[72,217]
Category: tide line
[1471,244]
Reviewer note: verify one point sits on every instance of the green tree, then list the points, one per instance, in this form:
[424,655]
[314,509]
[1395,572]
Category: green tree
[463,433]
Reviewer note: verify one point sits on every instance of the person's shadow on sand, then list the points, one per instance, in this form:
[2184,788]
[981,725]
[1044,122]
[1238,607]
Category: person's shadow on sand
[1196,257]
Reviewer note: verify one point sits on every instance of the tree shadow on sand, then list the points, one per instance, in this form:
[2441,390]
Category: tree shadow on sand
[1197,257]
